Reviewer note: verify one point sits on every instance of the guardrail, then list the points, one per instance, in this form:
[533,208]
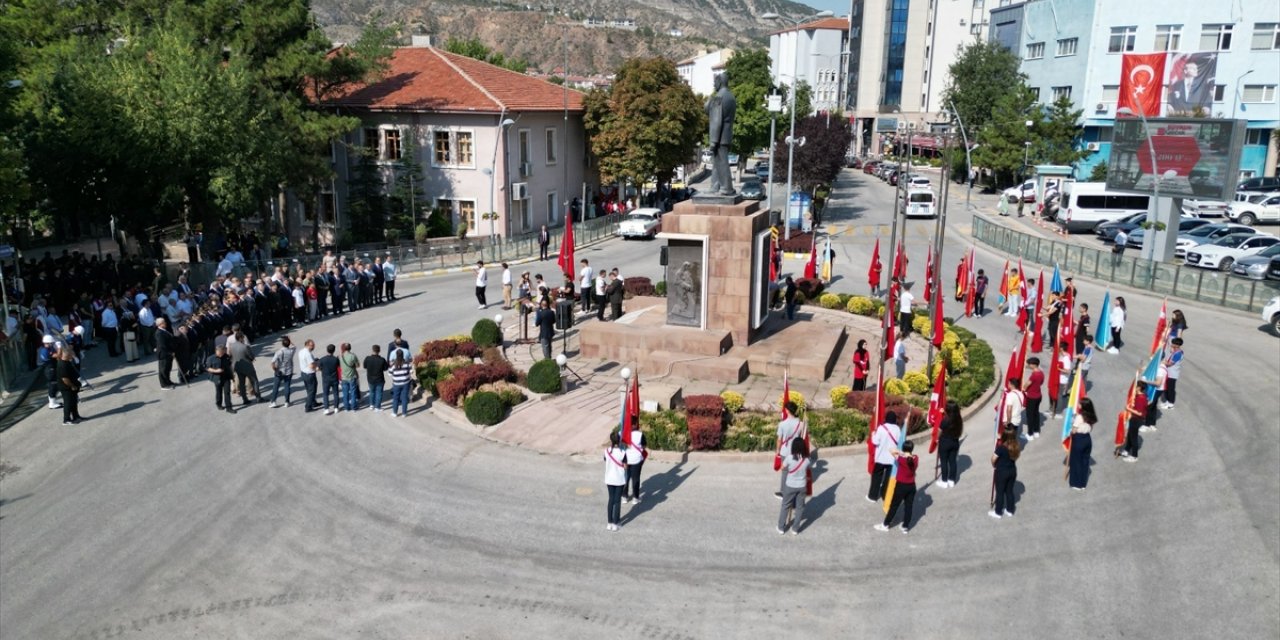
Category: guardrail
[1179,281]
[433,256]
[12,364]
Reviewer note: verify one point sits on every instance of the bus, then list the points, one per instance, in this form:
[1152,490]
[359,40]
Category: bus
[1085,205]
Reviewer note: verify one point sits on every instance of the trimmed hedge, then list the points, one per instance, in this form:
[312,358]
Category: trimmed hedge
[705,418]
[485,408]
[469,378]
[638,286]
[799,243]
[485,333]
[448,348]
[810,287]
[544,377]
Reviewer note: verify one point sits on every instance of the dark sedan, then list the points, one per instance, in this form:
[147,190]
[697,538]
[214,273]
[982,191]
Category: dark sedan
[752,189]
[1107,230]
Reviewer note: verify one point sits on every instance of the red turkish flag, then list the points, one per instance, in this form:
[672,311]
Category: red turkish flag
[1141,81]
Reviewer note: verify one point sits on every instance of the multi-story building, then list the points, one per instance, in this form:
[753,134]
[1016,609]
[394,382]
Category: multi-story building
[487,140]
[699,72]
[899,55]
[1074,48]
[812,52]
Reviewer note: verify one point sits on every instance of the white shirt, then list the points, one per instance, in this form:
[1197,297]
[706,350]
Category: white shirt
[109,320]
[235,257]
[787,430]
[146,318]
[1121,239]
[11,326]
[635,453]
[225,267]
[1117,318]
[305,359]
[506,277]
[600,285]
[586,277]
[900,351]
[886,438]
[904,301]
[482,278]
[298,300]
[615,467]
[1014,405]
[388,271]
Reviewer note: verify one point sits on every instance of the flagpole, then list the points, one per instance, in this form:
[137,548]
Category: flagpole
[939,231]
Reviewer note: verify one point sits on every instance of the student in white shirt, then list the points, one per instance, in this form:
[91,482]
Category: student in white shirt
[1015,404]
[482,282]
[585,281]
[905,300]
[900,355]
[636,455]
[788,431]
[506,286]
[615,477]
[601,283]
[886,438]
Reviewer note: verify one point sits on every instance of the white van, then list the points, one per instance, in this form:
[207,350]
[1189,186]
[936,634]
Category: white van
[919,203]
[1085,205]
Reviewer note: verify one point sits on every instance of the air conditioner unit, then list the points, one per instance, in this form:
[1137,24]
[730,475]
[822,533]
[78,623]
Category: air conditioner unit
[1093,146]
[526,169]
[520,190]
[1101,106]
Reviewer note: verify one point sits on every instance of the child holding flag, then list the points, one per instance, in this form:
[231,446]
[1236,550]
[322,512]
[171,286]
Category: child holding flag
[1137,411]
[952,429]
[789,430]
[615,476]
[795,469]
[1081,445]
[1005,462]
[886,439]
[904,493]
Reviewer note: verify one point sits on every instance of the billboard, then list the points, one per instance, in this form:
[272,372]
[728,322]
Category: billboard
[1195,157]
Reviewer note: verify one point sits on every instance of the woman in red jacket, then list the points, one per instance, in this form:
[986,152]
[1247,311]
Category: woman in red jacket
[861,366]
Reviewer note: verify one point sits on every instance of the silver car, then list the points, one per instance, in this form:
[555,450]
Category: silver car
[1255,266]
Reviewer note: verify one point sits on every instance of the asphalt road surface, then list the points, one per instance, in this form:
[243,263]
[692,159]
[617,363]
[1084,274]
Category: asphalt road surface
[160,518]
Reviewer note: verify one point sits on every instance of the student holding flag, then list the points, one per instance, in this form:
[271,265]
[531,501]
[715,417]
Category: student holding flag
[904,490]
[795,469]
[1005,462]
[789,431]
[886,439]
[1136,410]
[950,432]
[615,476]
[1081,443]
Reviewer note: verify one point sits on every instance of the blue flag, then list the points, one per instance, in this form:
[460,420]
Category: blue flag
[1151,372]
[1056,284]
[1102,331]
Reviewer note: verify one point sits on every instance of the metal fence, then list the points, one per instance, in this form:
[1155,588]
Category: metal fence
[439,253]
[1179,281]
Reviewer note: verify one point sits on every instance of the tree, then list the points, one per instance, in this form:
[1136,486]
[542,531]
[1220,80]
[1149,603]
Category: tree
[1099,172]
[408,201]
[647,124]
[819,160]
[749,80]
[1004,135]
[803,103]
[366,200]
[982,72]
[1058,135]
[473,48]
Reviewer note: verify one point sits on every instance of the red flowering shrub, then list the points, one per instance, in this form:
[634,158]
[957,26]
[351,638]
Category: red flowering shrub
[638,286]
[705,433]
[708,406]
[440,349]
[912,417]
[471,377]
[810,287]
[799,243]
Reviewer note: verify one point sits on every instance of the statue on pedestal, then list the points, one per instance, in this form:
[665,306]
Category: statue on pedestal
[721,107]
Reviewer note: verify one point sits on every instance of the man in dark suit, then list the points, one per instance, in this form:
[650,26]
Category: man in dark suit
[545,321]
[1192,90]
[544,239]
[614,293]
[164,352]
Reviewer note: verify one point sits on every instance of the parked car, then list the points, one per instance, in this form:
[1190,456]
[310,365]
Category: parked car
[917,180]
[1255,267]
[1260,183]
[1273,272]
[1185,225]
[869,167]
[752,189]
[1223,252]
[1026,191]
[893,177]
[1260,209]
[641,223]
[1107,231]
[1271,315]
[1206,234]
[1204,208]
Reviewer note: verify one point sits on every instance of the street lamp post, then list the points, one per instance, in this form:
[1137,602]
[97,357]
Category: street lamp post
[795,82]
[622,397]
[968,156]
[1238,95]
[774,105]
[491,172]
[1148,244]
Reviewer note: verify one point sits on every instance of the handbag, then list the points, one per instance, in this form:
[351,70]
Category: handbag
[777,462]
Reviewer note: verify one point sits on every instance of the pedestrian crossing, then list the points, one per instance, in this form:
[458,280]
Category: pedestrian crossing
[878,230]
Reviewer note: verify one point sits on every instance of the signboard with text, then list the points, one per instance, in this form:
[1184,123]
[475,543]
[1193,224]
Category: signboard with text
[1194,157]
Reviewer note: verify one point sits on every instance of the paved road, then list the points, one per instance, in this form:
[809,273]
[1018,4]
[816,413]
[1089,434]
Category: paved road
[159,518]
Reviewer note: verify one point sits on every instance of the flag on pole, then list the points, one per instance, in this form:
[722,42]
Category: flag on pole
[773,262]
[1014,369]
[928,275]
[900,262]
[1055,371]
[1067,330]
[937,405]
[962,277]
[786,392]
[1037,335]
[873,272]
[1151,372]
[626,418]
[876,419]
[888,321]
[893,484]
[971,290]
[1004,284]
[634,406]
[1124,413]
[808,446]
[566,247]
[1102,331]
[1056,285]
[1162,322]
[938,329]
[826,261]
[811,267]
[1073,405]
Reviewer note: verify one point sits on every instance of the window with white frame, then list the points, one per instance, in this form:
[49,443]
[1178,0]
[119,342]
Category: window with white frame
[1067,46]
[452,148]
[391,150]
[442,144]
[1035,51]
[466,148]
[551,145]
[1266,36]
[551,207]
[1110,92]
[1219,92]
[1215,37]
[1061,92]
[1168,37]
[1122,39]
[1258,93]
[524,151]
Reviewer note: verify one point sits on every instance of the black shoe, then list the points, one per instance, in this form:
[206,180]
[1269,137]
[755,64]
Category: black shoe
[230,410]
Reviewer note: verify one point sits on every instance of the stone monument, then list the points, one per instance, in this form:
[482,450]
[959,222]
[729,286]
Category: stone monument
[721,109]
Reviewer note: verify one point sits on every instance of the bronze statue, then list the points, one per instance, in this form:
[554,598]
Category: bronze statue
[721,107]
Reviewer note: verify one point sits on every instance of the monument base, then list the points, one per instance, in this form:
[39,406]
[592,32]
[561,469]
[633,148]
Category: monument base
[715,198]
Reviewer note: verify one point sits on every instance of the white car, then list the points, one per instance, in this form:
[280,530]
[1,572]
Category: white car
[1207,233]
[1204,208]
[1259,209]
[641,223]
[1223,252]
[1271,315]
[918,180]
[1025,191]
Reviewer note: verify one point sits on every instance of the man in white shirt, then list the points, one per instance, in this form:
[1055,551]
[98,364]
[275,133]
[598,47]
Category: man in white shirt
[225,267]
[601,282]
[482,282]
[585,281]
[887,438]
[900,355]
[389,278]
[506,286]
[307,367]
[146,329]
[110,327]
[788,430]
[905,300]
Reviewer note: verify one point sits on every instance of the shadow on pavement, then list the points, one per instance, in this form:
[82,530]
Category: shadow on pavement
[818,505]
[124,408]
[655,490]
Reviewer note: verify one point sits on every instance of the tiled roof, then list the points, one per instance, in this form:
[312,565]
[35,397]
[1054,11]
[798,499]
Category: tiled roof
[430,79]
[838,24]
